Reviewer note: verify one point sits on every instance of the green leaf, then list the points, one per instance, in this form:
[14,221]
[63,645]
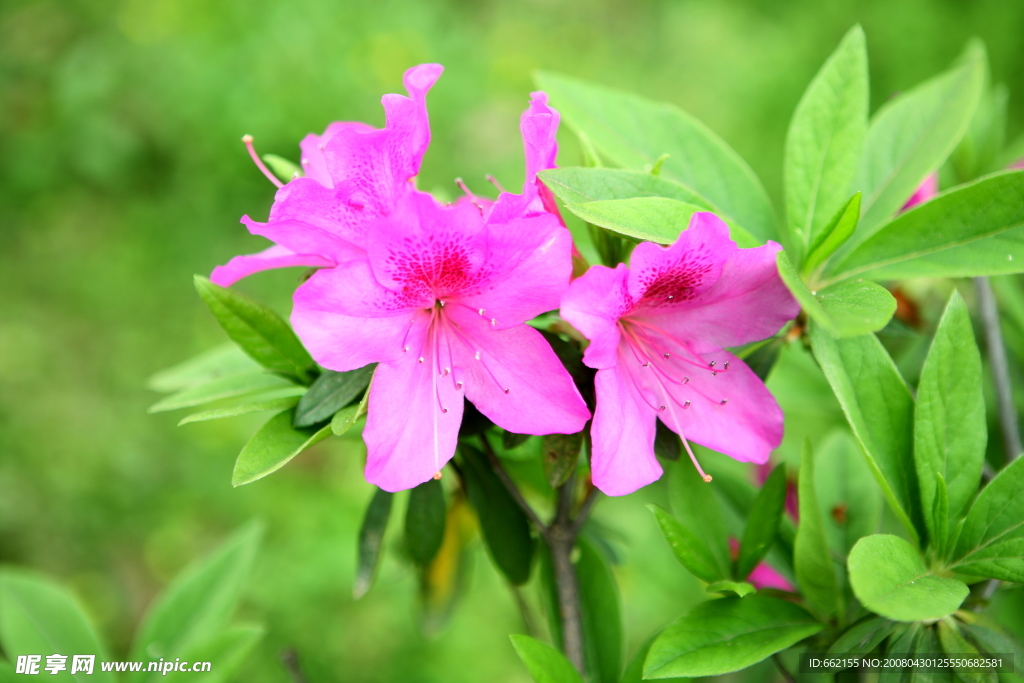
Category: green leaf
[601,614]
[284,169]
[970,230]
[229,649]
[857,307]
[504,525]
[879,409]
[890,578]
[226,359]
[862,637]
[331,392]
[258,330]
[815,573]
[825,140]
[691,550]
[37,616]
[545,663]
[848,496]
[634,133]
[950,429]
[272,447]
[561,453]
[910,137]
[992,541]
[650,219]
[834,235]
[230,386]
[275,404]
[721,636]
[739,588]
[197,604]
[371,539]
[762,523]
[425,522]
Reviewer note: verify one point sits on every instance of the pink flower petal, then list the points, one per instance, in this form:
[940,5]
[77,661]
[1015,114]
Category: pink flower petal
[593,305]
[513,377]
[274,257]
[622,434]
[412,425]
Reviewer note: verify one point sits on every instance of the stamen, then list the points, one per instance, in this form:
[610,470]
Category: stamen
[247,139]
[494,181]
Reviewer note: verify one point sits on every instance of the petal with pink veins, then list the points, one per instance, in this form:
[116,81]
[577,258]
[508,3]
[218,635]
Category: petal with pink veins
[512,376]
[274,257]
[623,430]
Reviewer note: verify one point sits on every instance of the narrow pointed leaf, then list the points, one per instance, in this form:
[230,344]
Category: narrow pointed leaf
[270,448]
[371,539]
[762,522]
[634,133]
[815,573]
[991,543]
[721,636]
[825,140]
[879,409]
[425,522]
[331,392]
[545,663]
[258,330]
[890,578]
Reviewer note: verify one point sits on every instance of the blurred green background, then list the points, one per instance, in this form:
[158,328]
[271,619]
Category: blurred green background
[122,174]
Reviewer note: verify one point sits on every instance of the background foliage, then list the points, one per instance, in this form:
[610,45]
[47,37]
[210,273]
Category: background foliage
[121,174]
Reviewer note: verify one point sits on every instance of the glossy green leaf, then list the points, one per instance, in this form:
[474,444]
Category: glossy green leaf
[738,588]
[991,543]
[230,386]
[272,447]
[910,137]
[762,522]
[879,409]
[834,235]
[862,637]
[601,614]
[37,616]
[226,652]
[634,133]
[720,636]
[503,524]
[275,404]
[690,549]
[371,539]
[258,330]
[890,578]
[545,663]
[284,169]
[226,359]
[425,522]
[825,140]
[197,604]
[971,230]
[950,429]
[561,453]
[815,572]
[848,496]
[331,392]
[649,219]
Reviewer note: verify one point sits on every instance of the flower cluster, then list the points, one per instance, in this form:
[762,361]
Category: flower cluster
[439,296]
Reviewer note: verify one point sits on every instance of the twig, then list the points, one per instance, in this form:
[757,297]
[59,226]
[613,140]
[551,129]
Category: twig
[290,660]
[1000,368]
[513,490]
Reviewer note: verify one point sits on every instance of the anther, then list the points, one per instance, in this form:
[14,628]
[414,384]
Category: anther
[247,139]
[437,475]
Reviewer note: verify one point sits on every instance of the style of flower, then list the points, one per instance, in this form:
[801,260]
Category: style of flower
[437,295]
[354,174]
[657,331]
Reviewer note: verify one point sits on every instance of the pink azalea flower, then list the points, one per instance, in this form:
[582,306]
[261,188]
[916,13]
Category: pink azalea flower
[928,188]
[657,331]
[354,174]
